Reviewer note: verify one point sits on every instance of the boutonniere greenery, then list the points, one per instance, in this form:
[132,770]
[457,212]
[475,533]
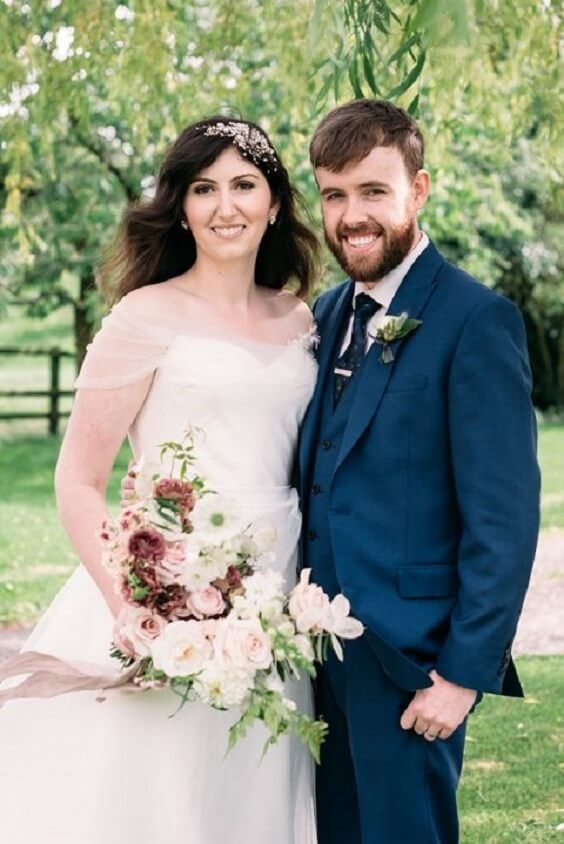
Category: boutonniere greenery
[393,328]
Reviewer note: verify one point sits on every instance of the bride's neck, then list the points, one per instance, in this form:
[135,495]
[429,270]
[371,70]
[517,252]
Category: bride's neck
[229,284]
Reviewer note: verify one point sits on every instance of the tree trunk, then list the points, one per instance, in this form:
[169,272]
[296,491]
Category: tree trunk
[83,327]
[560,369]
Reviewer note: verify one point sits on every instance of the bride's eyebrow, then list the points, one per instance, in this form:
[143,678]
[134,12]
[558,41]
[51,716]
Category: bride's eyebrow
[201,179]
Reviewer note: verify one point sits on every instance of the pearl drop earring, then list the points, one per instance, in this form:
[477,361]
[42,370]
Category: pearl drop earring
[184,225]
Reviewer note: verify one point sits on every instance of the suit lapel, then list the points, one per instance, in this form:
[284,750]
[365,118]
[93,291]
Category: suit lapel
[374,376]
[330,333]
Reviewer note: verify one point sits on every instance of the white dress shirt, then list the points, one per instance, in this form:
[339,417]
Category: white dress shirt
[384,291]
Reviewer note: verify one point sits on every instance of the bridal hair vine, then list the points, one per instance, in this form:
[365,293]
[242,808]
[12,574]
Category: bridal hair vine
[248,140]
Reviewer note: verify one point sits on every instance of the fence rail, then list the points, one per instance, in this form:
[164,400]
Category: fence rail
[53,414]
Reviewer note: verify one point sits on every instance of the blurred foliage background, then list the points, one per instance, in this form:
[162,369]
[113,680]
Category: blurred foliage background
[92,94]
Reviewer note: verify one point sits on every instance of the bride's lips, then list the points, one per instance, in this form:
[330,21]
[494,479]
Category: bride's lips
[228,232]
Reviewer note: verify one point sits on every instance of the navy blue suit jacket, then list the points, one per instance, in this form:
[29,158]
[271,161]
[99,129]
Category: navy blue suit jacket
[434,501]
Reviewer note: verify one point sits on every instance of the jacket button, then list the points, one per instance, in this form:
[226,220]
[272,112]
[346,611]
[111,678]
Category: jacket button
[311,534]
[316,489]
[326,444]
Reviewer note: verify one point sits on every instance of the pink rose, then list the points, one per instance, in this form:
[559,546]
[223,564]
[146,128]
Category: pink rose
[207,602]
[140,628]
[173,563]
[147,544]
[309,606]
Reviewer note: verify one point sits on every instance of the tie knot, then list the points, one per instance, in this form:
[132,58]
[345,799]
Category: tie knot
[364,307]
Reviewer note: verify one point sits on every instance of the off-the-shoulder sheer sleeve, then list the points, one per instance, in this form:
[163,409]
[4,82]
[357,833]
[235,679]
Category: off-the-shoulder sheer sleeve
[128,346]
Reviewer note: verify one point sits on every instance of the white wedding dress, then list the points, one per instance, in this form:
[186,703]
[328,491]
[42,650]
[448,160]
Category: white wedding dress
[76,770]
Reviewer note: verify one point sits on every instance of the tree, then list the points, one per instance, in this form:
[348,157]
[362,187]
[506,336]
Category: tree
[91,100]
[92,97]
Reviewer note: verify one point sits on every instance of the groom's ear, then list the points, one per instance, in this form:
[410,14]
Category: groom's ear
[421,187]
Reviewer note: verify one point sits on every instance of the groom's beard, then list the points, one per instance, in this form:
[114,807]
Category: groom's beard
[396,243]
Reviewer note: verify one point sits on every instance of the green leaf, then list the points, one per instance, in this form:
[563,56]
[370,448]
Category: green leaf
[413,107]
[369,75]
[354,79]
[405,47]
[410,78]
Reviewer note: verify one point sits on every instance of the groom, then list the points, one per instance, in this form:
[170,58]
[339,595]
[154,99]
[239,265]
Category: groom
[420,489]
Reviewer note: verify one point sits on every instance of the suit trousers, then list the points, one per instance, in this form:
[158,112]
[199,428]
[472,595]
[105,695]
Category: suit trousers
[377,783]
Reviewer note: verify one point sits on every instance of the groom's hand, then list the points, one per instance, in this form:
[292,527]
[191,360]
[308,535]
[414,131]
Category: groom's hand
[436,712]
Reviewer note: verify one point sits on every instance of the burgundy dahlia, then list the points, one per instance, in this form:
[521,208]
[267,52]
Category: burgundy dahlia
[176,490]
[170,602]
[147,544]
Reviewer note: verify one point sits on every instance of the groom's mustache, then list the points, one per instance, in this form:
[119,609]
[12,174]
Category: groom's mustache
[360,229]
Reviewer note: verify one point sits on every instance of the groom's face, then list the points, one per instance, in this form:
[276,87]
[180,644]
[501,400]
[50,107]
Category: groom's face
[370,212]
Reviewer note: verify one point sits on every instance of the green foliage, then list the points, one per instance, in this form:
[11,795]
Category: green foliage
[279,719]
[91,98]
[483,80]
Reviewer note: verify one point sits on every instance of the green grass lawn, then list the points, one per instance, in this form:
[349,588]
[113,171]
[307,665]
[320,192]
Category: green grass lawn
[512,787]
[551,457]
[35,554]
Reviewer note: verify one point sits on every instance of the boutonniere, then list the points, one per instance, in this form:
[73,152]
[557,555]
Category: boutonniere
[393,328]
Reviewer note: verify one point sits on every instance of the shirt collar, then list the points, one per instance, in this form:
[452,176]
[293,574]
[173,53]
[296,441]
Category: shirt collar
[386,288]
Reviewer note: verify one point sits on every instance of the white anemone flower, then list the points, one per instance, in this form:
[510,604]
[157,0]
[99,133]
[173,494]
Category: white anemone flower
[215,519]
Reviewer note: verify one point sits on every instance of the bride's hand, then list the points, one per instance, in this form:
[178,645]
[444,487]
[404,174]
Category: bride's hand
[127,486]
[119,639]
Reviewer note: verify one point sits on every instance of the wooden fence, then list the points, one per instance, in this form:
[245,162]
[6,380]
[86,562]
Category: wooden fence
[53,413]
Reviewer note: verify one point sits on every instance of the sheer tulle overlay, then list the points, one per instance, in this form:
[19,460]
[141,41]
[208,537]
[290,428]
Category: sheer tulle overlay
[81,769]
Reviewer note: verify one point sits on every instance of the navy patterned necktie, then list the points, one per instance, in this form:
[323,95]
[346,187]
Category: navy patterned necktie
[364,309]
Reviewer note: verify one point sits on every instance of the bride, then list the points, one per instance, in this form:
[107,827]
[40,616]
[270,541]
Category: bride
[203,335]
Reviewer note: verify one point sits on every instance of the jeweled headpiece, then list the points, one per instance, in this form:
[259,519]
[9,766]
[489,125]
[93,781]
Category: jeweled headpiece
[248,140]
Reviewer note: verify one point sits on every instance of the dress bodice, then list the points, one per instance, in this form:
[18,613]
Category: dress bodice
[246,398]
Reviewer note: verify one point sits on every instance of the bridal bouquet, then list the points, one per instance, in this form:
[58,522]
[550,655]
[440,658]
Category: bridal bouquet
[205,615]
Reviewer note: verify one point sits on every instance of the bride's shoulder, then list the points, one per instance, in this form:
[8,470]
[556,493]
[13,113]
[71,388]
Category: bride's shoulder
[295,310]
[157,304]
[144,300]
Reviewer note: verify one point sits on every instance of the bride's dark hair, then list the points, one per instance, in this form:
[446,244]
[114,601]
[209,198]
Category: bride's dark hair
[152,246]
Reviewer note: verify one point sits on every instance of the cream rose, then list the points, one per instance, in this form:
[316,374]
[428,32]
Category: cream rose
[242,644]
[182,649]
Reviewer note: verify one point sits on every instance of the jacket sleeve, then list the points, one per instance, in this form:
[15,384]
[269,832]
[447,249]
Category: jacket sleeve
[493,442]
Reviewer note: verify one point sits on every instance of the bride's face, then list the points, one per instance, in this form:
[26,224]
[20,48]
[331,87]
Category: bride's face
[228,206]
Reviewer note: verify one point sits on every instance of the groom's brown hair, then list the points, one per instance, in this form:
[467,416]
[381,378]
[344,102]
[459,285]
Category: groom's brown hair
[348,134]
